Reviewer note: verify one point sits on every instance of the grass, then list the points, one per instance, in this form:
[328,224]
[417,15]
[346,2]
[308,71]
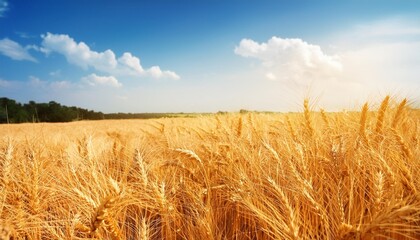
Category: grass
[309,175]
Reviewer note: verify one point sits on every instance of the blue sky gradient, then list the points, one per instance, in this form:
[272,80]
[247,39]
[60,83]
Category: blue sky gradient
[208,55]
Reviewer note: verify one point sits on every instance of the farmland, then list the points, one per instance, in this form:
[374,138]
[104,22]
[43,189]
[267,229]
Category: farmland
[308,175]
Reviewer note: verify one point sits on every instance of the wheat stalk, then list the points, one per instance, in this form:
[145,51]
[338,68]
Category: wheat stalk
[7,164]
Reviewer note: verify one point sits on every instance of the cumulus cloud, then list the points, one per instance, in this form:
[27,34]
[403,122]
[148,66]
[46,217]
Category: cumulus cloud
[38,49]
[4,6]
[130,64]
[14,50]
[157,73]
[291,59]
[81,55]
[367,61]
[95,80]
[38,83]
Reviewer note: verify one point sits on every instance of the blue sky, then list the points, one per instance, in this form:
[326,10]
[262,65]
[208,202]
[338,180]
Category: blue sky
[159,56]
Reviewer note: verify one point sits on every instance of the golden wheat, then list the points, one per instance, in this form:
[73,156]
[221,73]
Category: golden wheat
[255,176]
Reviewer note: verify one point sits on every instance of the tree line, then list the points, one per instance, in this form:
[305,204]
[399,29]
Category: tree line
[15,112]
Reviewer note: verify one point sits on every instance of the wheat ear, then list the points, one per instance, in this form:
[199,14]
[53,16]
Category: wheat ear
[363,120]
[101,216]
[398,113]
[292,225]
[378,191]
[307,114]
[402,144]
[381,115]
[239,127]
[325,118]
[6,231]
[292,131]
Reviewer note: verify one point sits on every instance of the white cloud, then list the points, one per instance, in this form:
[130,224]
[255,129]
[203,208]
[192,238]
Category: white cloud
[81,55]
[291,59]
[38,49]
[55,73]
[381,56]
[387,31]
[130,64]
[387,28]
[122,97]
[60,84]
[95,80]
[171,74]
[270,76]
[14,50]
[367,62]
[37,82]
[4,83]
[25,35]
[4,6]
[157,73]
[383,63]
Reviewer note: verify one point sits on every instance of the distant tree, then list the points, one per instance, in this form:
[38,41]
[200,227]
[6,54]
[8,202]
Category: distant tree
[3,115]
[42,112]
[13,110]
[55,112]
[31,109]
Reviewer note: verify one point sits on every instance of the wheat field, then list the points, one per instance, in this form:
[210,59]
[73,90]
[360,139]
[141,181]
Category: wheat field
[308,175]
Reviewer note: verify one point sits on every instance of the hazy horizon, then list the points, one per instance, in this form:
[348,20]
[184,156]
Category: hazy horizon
[209,56]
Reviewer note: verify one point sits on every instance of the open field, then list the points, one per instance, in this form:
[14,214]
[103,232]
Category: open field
[312,175]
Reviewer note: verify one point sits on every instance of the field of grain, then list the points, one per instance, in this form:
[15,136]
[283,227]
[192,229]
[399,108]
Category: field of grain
[309,175]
